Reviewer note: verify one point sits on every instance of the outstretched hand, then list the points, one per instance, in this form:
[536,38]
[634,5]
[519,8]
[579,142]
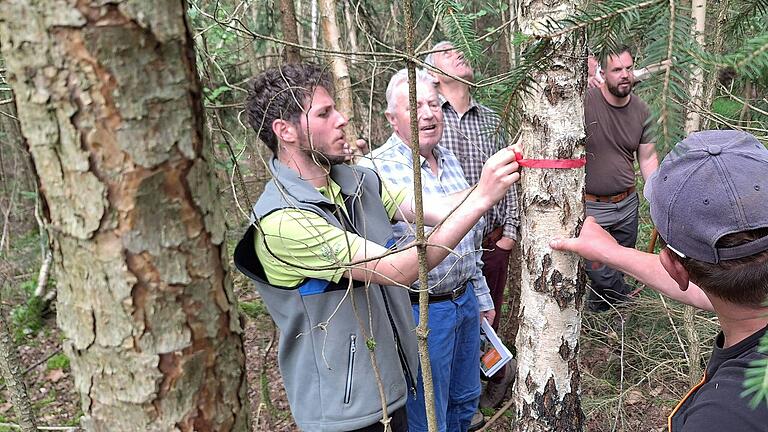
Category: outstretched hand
[593,242]
[499,174]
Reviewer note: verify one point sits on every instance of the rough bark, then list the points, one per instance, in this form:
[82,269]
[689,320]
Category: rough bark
[109,104]
[696,83]
[290,33]
[547,394]
[344,97]
[14,375]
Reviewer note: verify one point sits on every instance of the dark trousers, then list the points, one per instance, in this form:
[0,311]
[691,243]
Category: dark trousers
[495,270]
[399,423]
[620,220]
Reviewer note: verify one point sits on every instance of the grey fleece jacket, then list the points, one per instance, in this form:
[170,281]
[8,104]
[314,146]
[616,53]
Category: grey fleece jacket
[327,369]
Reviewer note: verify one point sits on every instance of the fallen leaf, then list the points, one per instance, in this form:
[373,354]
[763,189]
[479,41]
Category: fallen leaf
[55,375]
[633,397]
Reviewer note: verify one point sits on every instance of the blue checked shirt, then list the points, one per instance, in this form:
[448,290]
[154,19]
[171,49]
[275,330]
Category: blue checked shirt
[473,138]
[394,163]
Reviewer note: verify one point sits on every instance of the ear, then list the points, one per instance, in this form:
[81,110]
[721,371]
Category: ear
[675,269]
[285,131]
[390,119]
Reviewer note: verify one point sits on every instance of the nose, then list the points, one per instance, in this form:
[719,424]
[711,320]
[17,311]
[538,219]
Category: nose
[425,112]
[341,120]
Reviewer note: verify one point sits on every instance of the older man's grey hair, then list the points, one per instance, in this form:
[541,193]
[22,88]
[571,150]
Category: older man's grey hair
[402,77]
[442,45]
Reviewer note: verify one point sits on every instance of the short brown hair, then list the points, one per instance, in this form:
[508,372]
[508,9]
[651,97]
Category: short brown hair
[621,49]
[742,281]
[281,93]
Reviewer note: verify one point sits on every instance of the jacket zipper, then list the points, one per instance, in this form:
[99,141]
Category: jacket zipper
[350,367]
[400,351]
[346,220]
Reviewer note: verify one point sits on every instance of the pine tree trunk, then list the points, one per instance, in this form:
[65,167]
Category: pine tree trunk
[109,104]
[291,54]
[547,393]
[344,97]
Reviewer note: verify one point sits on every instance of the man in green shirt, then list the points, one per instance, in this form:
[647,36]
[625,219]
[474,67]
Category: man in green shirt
[319,253]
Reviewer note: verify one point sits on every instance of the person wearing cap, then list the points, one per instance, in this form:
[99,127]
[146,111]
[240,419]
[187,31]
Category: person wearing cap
[618,132]
[708,201]
[458,292]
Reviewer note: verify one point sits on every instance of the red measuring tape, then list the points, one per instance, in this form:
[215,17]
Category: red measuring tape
[550,163]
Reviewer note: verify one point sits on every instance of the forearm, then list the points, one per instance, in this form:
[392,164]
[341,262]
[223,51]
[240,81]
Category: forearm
[400,268]
[647,159]
[647,269]
[436,209]
[511,214]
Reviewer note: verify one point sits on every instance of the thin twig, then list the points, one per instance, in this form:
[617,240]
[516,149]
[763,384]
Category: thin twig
[498,414]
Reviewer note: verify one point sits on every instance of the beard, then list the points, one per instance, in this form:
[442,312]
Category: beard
[326,159]
[618,92]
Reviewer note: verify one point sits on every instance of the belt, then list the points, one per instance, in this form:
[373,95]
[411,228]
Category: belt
[437,298]
[610,198]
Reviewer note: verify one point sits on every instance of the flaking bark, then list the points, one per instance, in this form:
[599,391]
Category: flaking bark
[109,104]
[547,393]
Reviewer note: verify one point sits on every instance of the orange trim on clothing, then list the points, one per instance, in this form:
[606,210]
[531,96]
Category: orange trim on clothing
[685,398]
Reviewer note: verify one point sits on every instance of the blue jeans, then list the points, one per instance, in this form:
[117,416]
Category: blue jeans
[454,344]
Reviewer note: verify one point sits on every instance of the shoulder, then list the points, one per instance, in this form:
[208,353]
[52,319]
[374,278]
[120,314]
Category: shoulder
[639,104]
[593,95]
[719,404]
[273,197]
[487,112]
[291,223]
[392,157]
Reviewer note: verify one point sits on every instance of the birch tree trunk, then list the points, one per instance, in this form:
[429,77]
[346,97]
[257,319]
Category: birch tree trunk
[313,23]
[109,103]
[349,17]
[342,82]
[547,393]
[696,84]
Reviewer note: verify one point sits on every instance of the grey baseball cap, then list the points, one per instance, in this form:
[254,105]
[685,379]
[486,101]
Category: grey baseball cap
[711,184]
